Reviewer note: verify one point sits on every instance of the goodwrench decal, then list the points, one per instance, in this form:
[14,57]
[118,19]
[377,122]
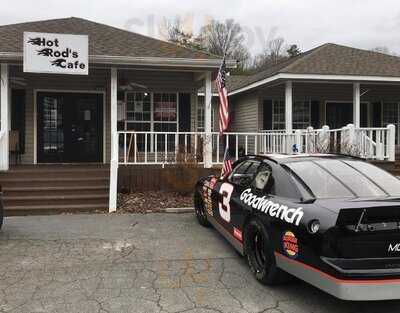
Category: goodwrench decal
[283,212]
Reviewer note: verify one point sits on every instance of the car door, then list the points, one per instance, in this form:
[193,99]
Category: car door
[261,185]
[228,210]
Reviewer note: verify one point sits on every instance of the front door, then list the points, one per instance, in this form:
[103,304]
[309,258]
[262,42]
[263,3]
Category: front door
[339,114]
[70,127]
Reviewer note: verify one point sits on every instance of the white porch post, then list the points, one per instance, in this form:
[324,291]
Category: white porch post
[114,142]
[356,104]
[289,106]
[4,118]
[207,149]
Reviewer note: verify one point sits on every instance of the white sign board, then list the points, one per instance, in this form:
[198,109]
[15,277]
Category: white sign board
[56,53]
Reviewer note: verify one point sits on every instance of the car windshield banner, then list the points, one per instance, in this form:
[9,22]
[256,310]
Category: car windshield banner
[56,53]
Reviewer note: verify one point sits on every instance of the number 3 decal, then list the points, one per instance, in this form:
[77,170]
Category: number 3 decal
[224,206]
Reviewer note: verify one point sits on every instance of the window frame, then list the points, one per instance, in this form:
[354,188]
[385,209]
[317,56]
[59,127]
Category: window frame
[200,111]
[303,124]
[151,122]
[280,124]
[251,162]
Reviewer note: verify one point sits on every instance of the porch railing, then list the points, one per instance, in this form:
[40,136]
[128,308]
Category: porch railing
[187,147]
[367,143]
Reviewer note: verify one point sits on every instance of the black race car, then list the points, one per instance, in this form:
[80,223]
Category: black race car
[333,221]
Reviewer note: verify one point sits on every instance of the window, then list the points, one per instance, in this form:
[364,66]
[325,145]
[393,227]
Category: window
[357,182]
[263,180]
[152,112]
[301,114]
[391,115]
[320,182]
[337,179]
[386,181]
[165,107]
[243,174]
[200,117]
[278,114]
[138,106]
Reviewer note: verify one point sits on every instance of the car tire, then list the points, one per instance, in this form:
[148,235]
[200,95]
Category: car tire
[200,210]
[260,254]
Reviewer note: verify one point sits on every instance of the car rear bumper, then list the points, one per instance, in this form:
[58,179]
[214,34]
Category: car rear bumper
[367,267]
[345,289]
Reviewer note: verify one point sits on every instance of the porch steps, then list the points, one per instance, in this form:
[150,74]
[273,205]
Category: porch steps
[19,210]
[55,189]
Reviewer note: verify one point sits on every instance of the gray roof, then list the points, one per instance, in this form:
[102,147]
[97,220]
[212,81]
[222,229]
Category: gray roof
[328,59]
[104,40]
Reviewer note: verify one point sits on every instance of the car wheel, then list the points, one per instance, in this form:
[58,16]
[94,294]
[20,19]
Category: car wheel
[260,254]
[200,210]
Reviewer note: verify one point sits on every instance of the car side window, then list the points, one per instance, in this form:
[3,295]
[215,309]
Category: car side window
[264,180]
[244,173]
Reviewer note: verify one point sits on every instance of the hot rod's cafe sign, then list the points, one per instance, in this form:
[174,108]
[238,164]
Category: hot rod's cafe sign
[56,53]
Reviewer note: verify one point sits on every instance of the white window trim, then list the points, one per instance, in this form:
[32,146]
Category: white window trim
[309,101]
[152,122]
[201,106]
[273,114]
[283,122]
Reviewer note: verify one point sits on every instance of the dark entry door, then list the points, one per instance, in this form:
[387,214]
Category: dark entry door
[70,127]
[339,114]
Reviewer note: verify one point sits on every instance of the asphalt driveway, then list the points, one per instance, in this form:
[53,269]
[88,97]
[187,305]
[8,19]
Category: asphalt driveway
[140,263]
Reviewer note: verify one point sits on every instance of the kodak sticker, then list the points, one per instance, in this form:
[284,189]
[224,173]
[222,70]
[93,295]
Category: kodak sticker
[290,244]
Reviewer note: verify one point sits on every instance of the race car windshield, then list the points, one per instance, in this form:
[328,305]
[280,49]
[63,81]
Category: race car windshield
[320,182]
[386,181]
[337,179]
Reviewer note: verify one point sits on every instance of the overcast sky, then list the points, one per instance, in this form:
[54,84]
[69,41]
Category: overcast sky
[308,23]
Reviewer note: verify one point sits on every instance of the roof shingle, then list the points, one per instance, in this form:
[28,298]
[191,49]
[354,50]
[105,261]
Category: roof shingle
[104,40]
[328,59]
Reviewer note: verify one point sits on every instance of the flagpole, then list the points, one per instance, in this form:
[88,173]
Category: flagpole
[224,115]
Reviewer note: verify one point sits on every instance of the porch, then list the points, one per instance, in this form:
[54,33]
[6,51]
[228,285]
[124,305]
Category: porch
[166,148]
[55,123]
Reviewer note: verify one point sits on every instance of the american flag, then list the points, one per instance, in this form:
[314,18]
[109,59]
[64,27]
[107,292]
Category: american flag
[227,167]
[223,98]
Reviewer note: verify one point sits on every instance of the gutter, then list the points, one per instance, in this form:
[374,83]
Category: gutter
[316,77]
[150,61]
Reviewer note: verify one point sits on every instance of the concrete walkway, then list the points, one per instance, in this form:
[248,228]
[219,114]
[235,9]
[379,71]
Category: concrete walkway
[140,263]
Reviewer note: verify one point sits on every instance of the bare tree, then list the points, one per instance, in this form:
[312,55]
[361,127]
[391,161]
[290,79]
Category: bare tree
[384,50]
[174,32]
[225,38]
[275,49]
[272,54]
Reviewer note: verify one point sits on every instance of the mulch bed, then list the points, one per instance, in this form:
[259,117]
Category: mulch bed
[152,201]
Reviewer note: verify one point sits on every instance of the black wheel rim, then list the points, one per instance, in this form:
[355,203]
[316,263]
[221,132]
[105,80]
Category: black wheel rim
[259,249]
